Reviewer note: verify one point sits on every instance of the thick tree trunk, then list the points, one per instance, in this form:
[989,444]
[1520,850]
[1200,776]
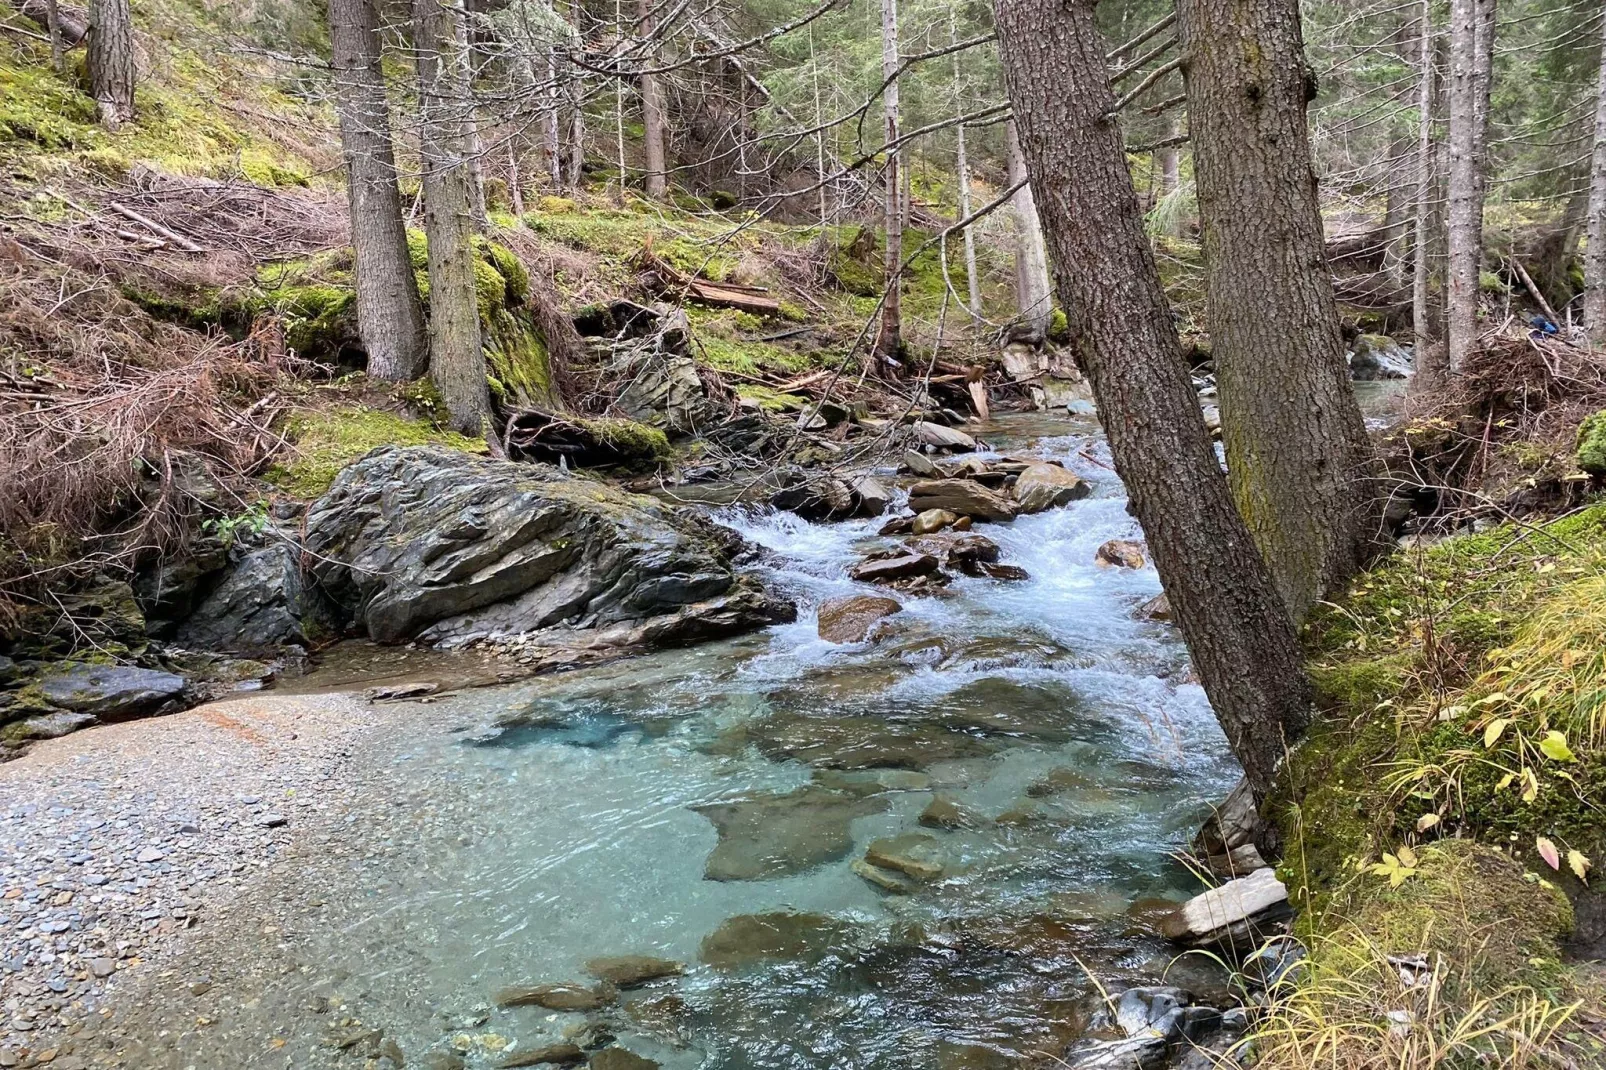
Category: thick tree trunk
[1034,291]
[1229,610]
[1470,30]
[888,355]
[390,315]
[1595,249]
[457,363]
[652,115]
[111,61]
[1298,458]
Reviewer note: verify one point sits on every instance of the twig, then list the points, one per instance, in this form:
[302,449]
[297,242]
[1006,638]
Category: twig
[171,235]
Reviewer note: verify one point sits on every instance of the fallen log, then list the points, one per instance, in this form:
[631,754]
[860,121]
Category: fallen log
[73,21]
[582,441]
[671,279]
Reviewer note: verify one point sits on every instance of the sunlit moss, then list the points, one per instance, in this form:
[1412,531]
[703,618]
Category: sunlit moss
[327,441]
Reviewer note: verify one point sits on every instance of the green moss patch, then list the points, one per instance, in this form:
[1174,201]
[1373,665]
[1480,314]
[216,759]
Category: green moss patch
[327,441]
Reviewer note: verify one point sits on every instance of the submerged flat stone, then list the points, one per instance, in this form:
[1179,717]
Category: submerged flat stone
[559,996]
[860,742]
[628,971]
[769,836]
[782,935]
[915,854]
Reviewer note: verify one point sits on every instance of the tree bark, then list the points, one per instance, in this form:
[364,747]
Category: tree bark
[1298,458]
[1034,291]
[1424,314]
[887,357]
[58,44]
[390,315]
[1235,623]
[457,363]
[111,61]
[1470,33]
[1595,249]
[654,183]
[973,282]
[552,121]
[1170,162]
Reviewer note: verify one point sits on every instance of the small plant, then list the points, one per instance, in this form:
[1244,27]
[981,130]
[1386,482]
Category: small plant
[228,529]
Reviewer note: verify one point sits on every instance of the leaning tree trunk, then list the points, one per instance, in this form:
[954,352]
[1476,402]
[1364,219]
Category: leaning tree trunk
[1465,226]
[1034,291]
[111,61]
[457,363]
[887,357]
[390,316]
[1236,625]
[1298,458]
[652,114]
[1595,250]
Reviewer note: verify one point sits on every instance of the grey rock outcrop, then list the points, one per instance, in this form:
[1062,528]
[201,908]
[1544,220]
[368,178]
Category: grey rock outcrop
[263,603]
[429,543]
[109,690]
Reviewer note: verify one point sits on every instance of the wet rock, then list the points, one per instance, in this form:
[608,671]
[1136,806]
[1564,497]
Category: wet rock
[853,619]
[933,520]
[617,1058]
[1148,1011]
[1238,913]
[1049,486]
[921,465]
[560,1054]
[1156,608]
[963,497]
[559,996]
[431,543]
[915,854]
[263,603]
[771,836]
[783,935]
[902,567]
[860,742]
[1062,781]
[109,690]
[1120,553]
[873,781]
[1020,816]
[628,971]
[898,525]
[47,726]
[944,438]
[944,813]
[884,879]
[1377,356]
[168,590]
[958,550]
[1133,1053]
[872,497]
[993,571]
[659,1016]
[819,500]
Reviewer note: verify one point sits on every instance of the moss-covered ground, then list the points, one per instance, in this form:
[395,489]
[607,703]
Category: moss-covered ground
[326,440]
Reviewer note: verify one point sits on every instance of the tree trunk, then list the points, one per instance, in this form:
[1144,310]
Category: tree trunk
[1595,249]
[111,61]
[888,355]
[1298,458]
[552,121]
[1424,314]
[467,76]
[1170,161]
[58,44]
[1470,32]
[390,315]
[1034,291]
[457,363]
[1236,626]
[962,165]
[652,114]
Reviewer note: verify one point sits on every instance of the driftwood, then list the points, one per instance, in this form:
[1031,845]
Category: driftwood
[74,21]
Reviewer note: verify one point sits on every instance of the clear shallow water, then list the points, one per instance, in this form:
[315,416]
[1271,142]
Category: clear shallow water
[586,814]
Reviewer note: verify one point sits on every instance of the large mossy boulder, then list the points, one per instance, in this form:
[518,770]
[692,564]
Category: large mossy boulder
[434,544]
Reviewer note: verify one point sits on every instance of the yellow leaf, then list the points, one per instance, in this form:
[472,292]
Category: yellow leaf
[1426,821]
[1397,878]
[1496,728]
[1579,863]
[1547,851]
[1505,782]
[1554,746]
[1530,786]
[1407,856]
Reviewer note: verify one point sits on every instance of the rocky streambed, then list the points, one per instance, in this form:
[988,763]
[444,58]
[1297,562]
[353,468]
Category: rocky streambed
[769,850]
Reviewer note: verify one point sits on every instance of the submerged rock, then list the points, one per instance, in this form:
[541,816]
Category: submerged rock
[854,618]
[430,543]
[885,879]
[109,690]
[1048,486]
[617,1058]
[771,836]
[860,742]
[944,813]
[915,854]
[786,935]
[559,1054]
[263,603]
[628,971]
[559,996]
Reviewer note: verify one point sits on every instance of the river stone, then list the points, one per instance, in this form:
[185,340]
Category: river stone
[860,742]
[884,879]
[783,935]
[1120,553]
[961,496]
[1377,356]
[628,971]
[871,495]
[562,1053]
[944,438]
[769,836]
[898,525]
[853,619]
[1133,1053]
[262,603]
[1156,608]
[957,549]
[617,1058]
[1235,913]
[994,571]
[560,996]
[109,690]
[819,500]
[47,726]
[921,465]
[432,543]
[944,813]
[916,854]
[1048,486]
[902,567]
[933,520]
